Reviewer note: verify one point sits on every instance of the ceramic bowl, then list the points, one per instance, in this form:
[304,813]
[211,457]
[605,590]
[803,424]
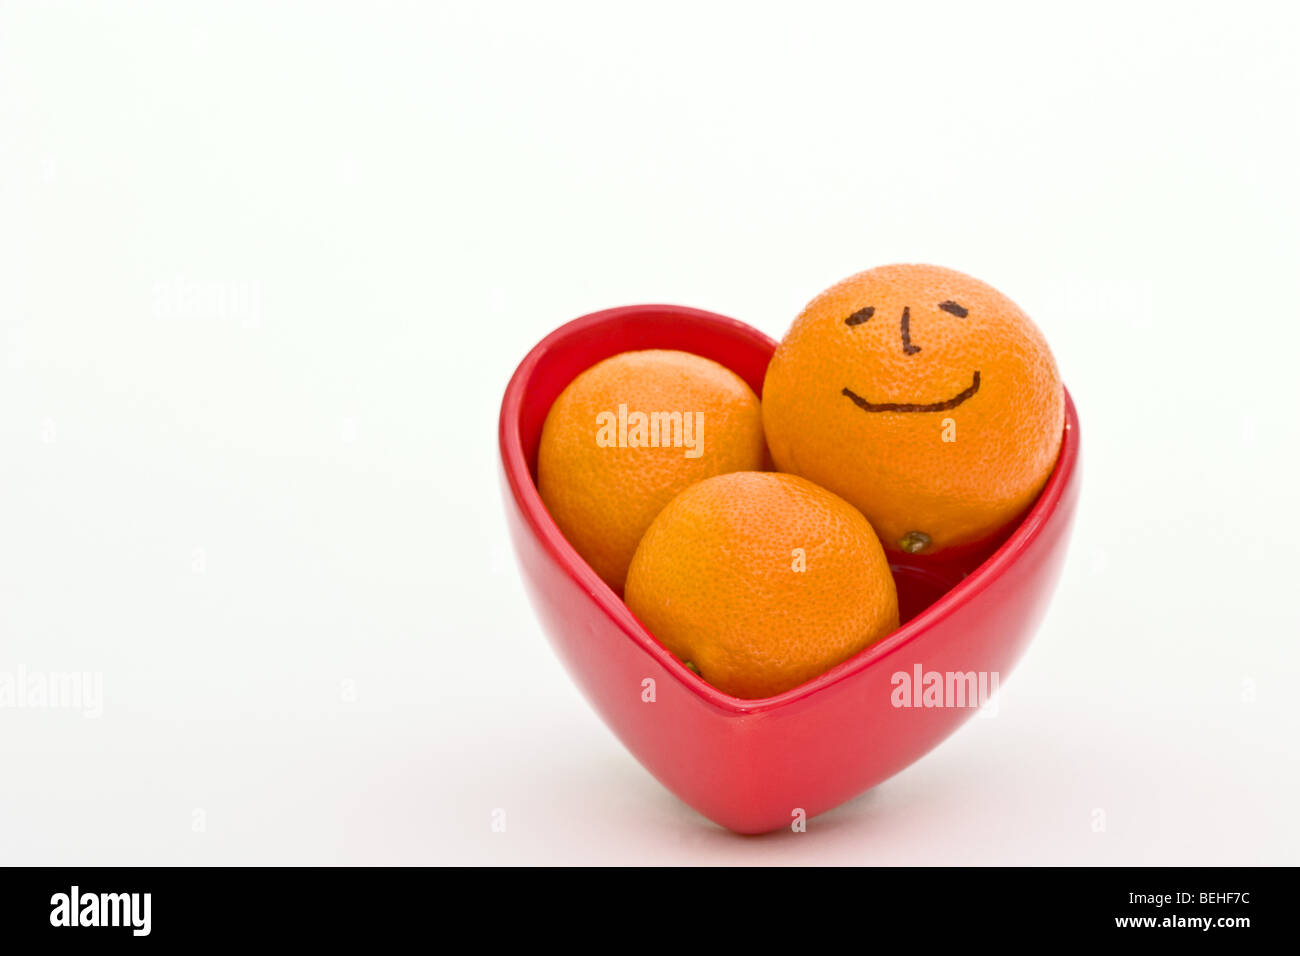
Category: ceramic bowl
[757,765]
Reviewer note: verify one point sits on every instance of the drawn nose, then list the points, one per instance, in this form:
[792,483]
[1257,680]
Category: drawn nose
[908,347]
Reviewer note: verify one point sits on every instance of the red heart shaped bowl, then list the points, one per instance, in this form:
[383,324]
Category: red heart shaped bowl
[756,765]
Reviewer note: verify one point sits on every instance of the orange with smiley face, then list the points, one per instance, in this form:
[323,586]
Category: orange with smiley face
[924,397]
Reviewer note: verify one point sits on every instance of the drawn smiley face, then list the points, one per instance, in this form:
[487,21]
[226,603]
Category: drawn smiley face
[921,395]
[910,348]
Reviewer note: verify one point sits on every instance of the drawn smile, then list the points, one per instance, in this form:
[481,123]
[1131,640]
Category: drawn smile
[943,406]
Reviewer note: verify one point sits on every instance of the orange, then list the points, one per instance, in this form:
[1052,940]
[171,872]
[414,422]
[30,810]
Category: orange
[761,581]
[628,434]
[921,395]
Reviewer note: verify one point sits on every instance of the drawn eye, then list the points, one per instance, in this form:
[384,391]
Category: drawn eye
[954,309]
[860,316]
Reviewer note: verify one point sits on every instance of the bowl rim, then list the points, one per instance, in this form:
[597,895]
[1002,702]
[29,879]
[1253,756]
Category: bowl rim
[518,476]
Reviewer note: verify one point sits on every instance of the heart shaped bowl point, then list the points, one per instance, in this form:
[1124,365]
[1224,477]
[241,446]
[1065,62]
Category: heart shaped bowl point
[756,765]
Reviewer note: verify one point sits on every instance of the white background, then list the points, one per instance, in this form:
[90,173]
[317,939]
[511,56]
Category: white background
[265,271]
